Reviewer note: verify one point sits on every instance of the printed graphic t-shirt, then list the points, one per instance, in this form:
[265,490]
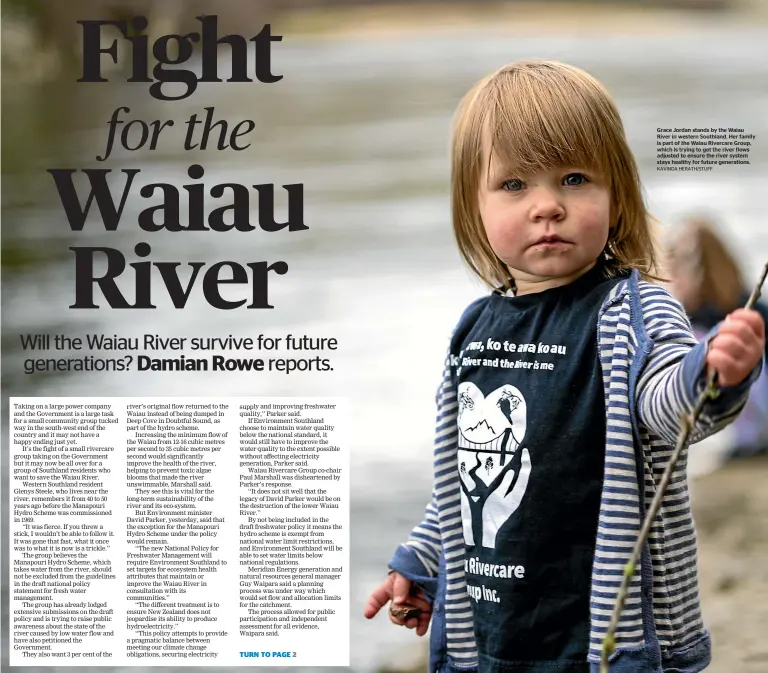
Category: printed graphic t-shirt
[531,452]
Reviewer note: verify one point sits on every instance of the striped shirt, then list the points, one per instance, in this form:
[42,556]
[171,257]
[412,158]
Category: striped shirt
[652,372]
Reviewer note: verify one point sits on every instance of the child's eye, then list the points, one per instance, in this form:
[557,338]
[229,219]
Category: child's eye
[575,179]
[514,185]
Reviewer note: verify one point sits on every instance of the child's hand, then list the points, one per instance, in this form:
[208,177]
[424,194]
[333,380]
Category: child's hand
[397,589]
[737,347]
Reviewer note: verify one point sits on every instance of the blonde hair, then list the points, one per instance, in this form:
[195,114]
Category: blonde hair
[701,253]
[539,115]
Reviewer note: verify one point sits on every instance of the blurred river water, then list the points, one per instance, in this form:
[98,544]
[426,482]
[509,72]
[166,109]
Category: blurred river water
[364,125]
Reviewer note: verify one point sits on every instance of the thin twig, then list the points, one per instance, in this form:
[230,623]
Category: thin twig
[688,422]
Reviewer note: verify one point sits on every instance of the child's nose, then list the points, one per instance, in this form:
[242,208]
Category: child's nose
[546,205]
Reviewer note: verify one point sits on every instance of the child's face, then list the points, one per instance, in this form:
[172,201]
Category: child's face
[548,227]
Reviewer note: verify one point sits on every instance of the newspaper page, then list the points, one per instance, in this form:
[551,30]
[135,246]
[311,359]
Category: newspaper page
[230,279]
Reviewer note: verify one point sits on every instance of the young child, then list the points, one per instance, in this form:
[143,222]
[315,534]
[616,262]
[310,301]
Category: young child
[561,402]
[707,281]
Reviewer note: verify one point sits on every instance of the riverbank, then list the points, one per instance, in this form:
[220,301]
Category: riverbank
[385,21]
[730,507]
[527,18]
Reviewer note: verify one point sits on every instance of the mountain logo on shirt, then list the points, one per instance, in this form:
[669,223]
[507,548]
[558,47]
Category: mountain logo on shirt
[493,468]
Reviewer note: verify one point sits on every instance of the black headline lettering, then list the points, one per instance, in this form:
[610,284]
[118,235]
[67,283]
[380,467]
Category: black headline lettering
[183,45]
[99,268]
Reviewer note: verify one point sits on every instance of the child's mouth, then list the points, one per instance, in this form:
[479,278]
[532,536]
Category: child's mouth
[551,243]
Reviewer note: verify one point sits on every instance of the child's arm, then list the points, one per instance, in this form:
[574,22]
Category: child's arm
[418,559]
[415,564]
[676,370]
